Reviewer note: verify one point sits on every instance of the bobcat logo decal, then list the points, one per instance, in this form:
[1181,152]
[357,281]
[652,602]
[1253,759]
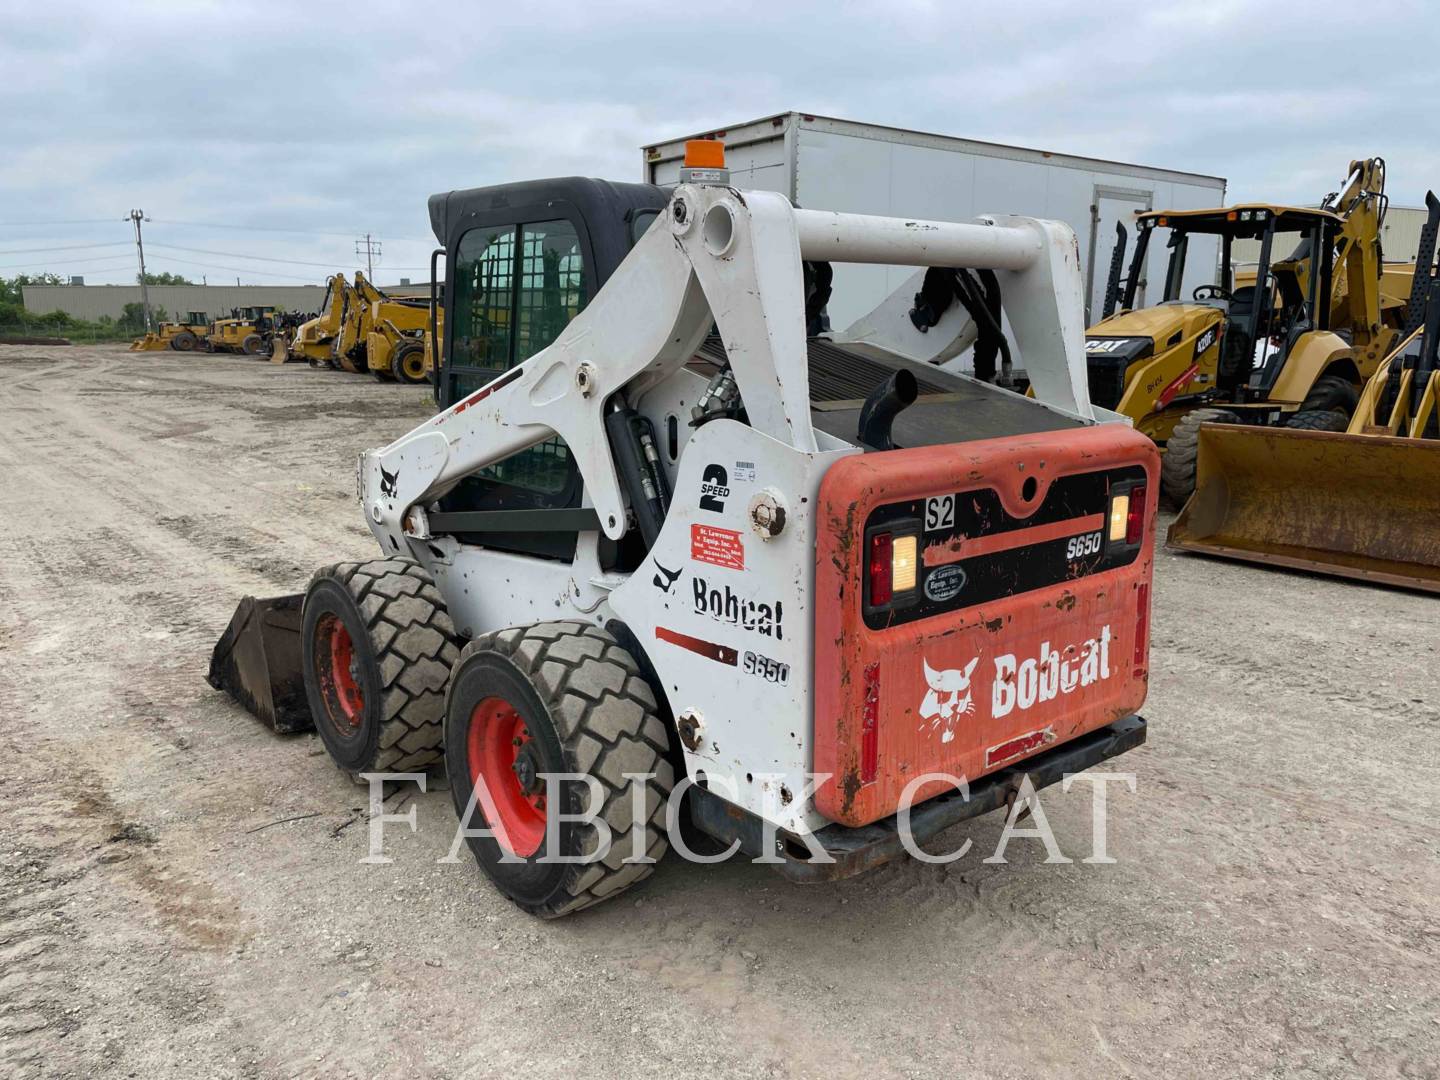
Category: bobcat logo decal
[949,698]
[665,578]
[387,482]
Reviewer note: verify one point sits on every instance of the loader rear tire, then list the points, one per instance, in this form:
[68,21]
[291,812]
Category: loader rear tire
[1331,393]
[378,646]
[408,362]
[557,697]
[1177,467]
[1317,420]
[184,341]
[252,344]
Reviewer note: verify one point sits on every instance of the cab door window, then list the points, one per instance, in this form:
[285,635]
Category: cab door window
[516,289]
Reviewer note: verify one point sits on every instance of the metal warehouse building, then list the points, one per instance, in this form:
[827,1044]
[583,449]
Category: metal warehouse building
[92,302]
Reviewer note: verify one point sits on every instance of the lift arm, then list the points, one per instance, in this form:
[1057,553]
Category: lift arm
[732,259]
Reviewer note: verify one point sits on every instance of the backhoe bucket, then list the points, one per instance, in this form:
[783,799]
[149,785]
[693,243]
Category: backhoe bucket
[257,662]
[1357,506]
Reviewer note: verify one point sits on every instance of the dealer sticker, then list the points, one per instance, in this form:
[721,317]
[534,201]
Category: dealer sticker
[719,547]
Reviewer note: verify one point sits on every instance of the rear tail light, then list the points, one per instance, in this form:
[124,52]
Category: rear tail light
[1119,517]
[892,567]
[903,554]
[1126,524]
[881,571]
[1135,517]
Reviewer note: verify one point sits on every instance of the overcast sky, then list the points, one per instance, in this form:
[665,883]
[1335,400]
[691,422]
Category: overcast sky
[227,122]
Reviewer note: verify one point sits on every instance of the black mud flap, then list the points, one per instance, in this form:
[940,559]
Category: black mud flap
[257,661]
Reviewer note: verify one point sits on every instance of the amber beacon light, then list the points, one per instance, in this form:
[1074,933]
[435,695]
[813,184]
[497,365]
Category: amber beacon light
[704,154]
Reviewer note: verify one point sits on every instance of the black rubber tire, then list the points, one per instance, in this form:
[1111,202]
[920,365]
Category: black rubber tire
[1331,393]
[1317,420]
[184,341]
[1177,466]
[413,353]
[589,710]
[404,646]
[252,344]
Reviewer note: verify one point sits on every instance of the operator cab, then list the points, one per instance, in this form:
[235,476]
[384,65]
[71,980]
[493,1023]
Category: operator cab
[1264,310]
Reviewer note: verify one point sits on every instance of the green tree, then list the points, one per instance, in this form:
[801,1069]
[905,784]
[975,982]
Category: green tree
[167,279]
[132,318]
[11,288]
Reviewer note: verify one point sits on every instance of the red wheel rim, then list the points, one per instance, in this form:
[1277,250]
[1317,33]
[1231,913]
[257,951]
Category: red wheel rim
[338,669]
[498,748]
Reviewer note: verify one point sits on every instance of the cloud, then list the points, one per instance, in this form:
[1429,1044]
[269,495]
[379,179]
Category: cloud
[342,118]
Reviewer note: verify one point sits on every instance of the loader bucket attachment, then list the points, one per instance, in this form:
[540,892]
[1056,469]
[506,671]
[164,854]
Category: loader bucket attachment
[1357,506]
[257,662]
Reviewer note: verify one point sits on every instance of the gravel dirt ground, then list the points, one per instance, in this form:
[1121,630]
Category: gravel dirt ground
[1274,910]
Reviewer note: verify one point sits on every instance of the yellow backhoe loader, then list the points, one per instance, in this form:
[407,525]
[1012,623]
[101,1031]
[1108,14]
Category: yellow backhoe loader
[314,340]
[1363,503]
[369,309]
[407,354]
[184,336]
[1294,345]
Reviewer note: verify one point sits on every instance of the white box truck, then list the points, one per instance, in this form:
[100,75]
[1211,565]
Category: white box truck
[822,163]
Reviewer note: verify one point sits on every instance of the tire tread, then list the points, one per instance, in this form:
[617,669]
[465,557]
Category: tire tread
[605,717]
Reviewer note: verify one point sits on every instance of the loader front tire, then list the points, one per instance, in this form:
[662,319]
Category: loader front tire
[1177,467]
[252,344]
[558,697]
[1317,420]
[184,341]
[378,646]
[408,363]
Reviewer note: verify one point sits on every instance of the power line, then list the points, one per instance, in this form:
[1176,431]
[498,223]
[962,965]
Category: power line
[268,258]
[70,247]
[240,269]
[274,228]
[65,262]
[241,255]
[47,224]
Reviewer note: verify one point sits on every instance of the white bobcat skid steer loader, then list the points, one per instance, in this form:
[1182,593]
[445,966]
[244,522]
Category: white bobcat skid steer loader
[680,542]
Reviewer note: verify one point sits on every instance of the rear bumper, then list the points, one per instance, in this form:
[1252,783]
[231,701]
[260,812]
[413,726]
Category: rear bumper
[856,850]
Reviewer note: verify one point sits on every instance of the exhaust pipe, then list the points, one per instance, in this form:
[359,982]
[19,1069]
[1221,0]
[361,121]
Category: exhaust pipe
[885,402]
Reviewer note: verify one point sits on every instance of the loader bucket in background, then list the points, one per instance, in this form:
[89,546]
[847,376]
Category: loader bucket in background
[1357,506]
[257,662]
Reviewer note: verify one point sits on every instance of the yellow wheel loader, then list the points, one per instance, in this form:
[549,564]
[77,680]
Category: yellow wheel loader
[248,330]
[1300,337]
[184,336]
[1361,503]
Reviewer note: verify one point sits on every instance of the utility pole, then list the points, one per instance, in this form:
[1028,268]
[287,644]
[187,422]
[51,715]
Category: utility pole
[370,248]
[138,216]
